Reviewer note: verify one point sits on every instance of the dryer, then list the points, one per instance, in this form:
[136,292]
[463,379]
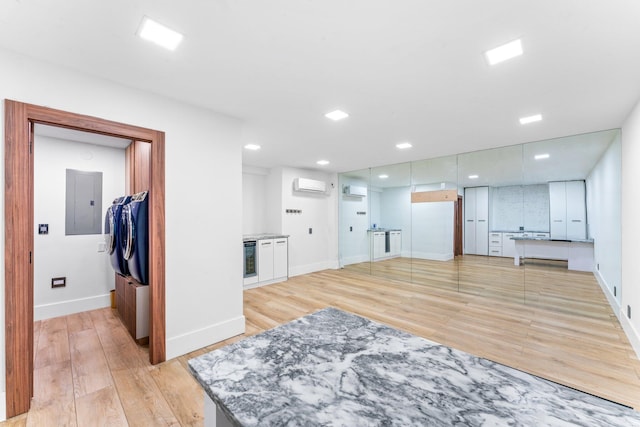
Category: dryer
[135,240]
[113,237]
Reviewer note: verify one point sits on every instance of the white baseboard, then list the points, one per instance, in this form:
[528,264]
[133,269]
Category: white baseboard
[311,268]
[186,343]
[433,256]
[606,289]
[630,331]
[265,283]
[64,308]
[3,406]
[355,259]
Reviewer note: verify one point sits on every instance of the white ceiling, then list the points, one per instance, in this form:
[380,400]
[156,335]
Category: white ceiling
[404,70]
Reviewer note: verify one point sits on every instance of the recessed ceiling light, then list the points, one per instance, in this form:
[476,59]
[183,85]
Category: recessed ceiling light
[504,52]
[159,34]
[404,145]
[336,115]
[541,156]
[323,162]
[383,176]
[530,119]
[473,176]
[253,147]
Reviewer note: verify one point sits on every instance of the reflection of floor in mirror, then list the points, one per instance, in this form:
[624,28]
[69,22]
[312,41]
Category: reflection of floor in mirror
[566,331]
[535,282]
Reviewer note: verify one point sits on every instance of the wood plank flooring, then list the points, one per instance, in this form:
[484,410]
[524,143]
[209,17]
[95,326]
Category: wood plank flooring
[88,371]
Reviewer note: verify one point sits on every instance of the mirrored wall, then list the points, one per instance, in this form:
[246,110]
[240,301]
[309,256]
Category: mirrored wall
[494,222]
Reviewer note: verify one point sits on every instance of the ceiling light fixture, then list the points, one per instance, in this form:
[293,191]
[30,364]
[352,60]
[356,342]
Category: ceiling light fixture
[336,115]
[541,156]
[404,145]
[252,147]
[504,52]
[473,176]
[159,34]
[530,119]
[383,176]
[323,162]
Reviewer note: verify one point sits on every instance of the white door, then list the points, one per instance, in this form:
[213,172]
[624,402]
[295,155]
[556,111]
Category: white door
[482,220]
[576,211]
[265,260]
[469,220]
[558,210]
[280,258]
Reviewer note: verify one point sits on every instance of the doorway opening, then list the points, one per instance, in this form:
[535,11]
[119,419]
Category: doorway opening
[20,119]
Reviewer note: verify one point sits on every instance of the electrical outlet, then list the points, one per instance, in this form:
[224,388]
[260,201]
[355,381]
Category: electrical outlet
[58,282]
[629,311]
[350,228]
[598,266]
[615,291]
[310,230]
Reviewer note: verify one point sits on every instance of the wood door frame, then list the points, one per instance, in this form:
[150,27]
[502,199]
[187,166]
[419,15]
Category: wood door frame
[19,234]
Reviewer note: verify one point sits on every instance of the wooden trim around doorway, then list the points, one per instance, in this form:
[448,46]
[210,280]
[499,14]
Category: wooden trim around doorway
[19,235]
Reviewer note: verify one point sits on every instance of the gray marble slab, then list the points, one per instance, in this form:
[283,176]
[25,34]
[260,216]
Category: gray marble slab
[263,236]
[333,368]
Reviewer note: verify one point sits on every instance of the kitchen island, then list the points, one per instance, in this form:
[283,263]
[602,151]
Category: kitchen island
[578,253]
[334,368]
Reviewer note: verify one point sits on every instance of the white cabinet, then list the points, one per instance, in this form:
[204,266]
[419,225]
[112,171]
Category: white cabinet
[476,220]
[567,210]
[509,245]
[265,260]
[280,258]
[495,244]
[396,242]
[378,242]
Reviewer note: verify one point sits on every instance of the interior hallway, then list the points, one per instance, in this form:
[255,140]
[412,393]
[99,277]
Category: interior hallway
[88,371]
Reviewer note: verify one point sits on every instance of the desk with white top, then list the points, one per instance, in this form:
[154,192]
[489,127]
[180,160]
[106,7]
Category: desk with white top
[578,253]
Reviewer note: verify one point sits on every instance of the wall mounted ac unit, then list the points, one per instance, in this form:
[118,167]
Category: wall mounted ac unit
[309,185]
[355,191]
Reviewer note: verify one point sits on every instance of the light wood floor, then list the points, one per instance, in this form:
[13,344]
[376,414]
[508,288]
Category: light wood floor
[89,372]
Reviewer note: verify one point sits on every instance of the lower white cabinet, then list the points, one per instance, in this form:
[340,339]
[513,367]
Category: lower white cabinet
[385,244]
[395,243]
[265,260]
[378,241]
[509,245]
[280,258]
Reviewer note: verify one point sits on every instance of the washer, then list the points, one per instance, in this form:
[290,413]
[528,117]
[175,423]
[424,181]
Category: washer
[135,241]
[113,237]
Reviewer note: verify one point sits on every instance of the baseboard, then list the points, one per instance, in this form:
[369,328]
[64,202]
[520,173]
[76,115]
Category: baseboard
[312,268]
[3,406]
[186,343]
[630,331]
[265,283]
[433,256]
[355,259]
[606,289]
[64,308]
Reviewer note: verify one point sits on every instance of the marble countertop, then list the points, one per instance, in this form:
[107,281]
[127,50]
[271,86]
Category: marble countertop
[332,368]
[548,239]
[263,236]
[373,230]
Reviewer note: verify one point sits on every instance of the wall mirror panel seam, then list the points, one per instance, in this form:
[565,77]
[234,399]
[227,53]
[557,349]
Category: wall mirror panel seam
[146,149]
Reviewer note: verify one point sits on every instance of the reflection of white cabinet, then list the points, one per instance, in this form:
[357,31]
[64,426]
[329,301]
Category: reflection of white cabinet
[495,244]
[395,242]
[378,244]
[280,258]
[265,260]
[567,210]
[476,220]
[509,245]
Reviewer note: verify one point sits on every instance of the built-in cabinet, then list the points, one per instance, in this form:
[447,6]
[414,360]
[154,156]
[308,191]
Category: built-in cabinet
[567,210]
[385,244]
[476,220]
[132,303]
[273,261]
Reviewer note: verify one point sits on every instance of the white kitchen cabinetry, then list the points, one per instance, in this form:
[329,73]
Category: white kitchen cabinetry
[265,260]
[567,210]
[476,220]
[509,245]
[396,242]
[280,258]
[378,244]
[495,244]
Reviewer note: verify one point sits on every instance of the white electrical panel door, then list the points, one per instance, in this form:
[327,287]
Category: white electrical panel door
[482,221]
[576,211]
[558,210]
[280,258]
[265,260]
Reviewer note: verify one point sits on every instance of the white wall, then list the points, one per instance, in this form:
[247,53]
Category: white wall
[604,198]
[319,250]
[432,230]
[395,212]
[254,200]
[631,227]
[88,272]
[203,224]
[354,241]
